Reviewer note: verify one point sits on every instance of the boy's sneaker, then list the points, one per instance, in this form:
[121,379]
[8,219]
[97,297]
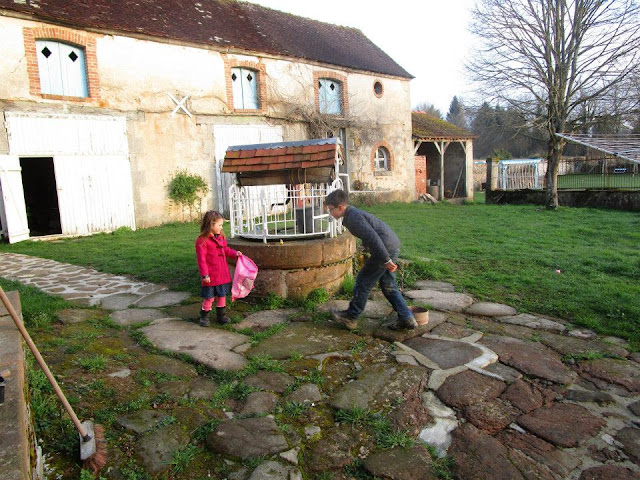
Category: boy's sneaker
[408,324]
[345,319]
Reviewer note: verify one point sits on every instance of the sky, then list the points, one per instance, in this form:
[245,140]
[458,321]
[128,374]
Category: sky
[428,38]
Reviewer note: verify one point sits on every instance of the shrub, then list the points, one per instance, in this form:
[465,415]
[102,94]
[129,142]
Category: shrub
[187,190]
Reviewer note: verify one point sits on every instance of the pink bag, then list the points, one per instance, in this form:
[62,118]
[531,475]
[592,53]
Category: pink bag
[245,274]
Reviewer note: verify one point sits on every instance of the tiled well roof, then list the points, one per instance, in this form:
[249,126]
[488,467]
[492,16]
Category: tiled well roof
[281,156]
[426,126]
[219,24]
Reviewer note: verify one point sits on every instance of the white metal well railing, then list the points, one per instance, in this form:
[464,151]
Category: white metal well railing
[283,212]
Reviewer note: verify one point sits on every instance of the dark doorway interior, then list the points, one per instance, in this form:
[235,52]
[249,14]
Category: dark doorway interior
[41,196]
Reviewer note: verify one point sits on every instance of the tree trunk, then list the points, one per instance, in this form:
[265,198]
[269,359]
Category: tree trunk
[554,155]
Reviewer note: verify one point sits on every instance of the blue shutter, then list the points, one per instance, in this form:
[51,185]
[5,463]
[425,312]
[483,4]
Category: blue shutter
[244,83]
[329,96]
[62,69]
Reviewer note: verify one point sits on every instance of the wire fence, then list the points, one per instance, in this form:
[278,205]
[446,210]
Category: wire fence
[574,173]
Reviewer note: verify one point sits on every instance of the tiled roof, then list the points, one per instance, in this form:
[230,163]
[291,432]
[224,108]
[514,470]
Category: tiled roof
[281,156]
[219,24]
[426,126]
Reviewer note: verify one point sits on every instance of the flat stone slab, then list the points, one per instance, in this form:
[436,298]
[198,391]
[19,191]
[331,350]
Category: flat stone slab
[259,403]
[490,309]
[434,285]
[202,388]
[532,321]
[576,346]
[446,354]
[447,301]
[506,373]
[609,472]
[530,358]
[131,316]
[264,319]
[467,387]
[247,438]
[271,381]
[563,424]
[141,421]
[376,387]
[304,339]
[166,365]
[559,461]
[480,456]
[617,372]
[119,301]
[630,439]
[156,449]
[373,308]
[401,464]
[491,416]
[209,346]
[524,396]
[69,316]
[165,298]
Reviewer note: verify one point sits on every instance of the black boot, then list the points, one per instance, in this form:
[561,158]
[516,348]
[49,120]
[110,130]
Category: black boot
[220,316]
[204,318]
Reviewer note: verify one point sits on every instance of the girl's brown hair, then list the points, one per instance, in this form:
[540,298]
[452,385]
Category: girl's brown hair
[207,221]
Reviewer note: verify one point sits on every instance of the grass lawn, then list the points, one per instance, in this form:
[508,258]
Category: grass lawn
[503,253]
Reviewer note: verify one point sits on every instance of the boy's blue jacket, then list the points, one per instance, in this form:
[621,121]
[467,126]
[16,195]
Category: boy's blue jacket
[376,236]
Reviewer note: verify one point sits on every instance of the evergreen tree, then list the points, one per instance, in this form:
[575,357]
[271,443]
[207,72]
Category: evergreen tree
[456,113]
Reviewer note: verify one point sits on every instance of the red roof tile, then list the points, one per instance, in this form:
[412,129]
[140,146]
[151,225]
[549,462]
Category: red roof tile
[277,157]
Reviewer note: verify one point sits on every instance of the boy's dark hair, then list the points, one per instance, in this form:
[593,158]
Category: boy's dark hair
[337,197]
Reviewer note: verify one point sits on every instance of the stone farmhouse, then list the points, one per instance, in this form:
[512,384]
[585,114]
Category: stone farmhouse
[103,101]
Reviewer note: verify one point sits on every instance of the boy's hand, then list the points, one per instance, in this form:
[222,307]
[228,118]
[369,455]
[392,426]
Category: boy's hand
[390,266]
[206,279]
[238,253]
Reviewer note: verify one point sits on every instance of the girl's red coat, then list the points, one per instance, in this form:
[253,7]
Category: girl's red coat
[211,253]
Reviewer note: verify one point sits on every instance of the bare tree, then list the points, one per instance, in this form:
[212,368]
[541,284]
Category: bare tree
[429,108]
[549,58]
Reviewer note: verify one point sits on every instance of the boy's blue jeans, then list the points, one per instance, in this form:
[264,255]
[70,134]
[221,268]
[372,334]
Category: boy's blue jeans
[374,272]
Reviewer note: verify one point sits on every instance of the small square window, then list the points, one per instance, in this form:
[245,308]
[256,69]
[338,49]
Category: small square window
[244,83]
[330,96]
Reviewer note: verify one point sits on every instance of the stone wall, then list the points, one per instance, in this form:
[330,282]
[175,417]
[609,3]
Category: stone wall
[292,269]
[614,199]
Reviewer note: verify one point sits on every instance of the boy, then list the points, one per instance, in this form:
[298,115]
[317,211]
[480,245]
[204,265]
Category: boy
[384,246]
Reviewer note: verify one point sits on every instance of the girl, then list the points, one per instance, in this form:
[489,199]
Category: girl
[211,251]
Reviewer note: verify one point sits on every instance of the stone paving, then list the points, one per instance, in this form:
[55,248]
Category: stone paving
[505,395]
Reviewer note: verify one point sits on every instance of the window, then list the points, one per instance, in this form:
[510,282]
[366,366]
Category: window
[330,96]
[244,83]
[62,69]
[378,89]
[381,159]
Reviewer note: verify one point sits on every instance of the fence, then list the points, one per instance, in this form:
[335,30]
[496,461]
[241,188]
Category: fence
[574,173]
[282,212]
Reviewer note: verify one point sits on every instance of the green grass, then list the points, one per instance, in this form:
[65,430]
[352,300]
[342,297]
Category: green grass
[502,253]
[599,181]
[511,254]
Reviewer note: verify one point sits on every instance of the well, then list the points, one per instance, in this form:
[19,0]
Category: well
[278,217]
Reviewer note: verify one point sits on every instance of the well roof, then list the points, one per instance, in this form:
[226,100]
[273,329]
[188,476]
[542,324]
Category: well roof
[219,24]
[281,156]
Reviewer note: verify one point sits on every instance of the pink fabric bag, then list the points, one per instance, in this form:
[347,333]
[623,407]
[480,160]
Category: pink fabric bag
[245,274]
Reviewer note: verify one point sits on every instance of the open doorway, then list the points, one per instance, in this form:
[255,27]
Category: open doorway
[40,196]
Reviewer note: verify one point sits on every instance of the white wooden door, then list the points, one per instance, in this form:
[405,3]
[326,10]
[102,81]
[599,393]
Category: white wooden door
[13,211]
[225,136]
[95,193]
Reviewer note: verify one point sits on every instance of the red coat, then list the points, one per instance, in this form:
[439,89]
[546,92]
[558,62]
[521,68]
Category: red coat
[212,256]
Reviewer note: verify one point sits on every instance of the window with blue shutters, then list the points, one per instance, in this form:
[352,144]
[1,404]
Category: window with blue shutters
[244,82]
[330,96]
[62,69]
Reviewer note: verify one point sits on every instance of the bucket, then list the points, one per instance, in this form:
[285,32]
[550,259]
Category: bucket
[304,220]
[421,315]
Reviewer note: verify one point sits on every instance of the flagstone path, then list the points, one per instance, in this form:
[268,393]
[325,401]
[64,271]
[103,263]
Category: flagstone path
[505,395]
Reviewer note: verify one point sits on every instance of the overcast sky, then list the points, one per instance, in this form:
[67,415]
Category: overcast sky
[428,38]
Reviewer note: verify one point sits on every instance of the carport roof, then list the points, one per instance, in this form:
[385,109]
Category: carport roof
[429,127]
[623,146]
[218,24]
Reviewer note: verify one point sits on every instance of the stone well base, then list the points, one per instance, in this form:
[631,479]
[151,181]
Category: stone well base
[293,269]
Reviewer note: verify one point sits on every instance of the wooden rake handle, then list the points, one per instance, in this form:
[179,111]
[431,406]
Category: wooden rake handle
[43,365]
